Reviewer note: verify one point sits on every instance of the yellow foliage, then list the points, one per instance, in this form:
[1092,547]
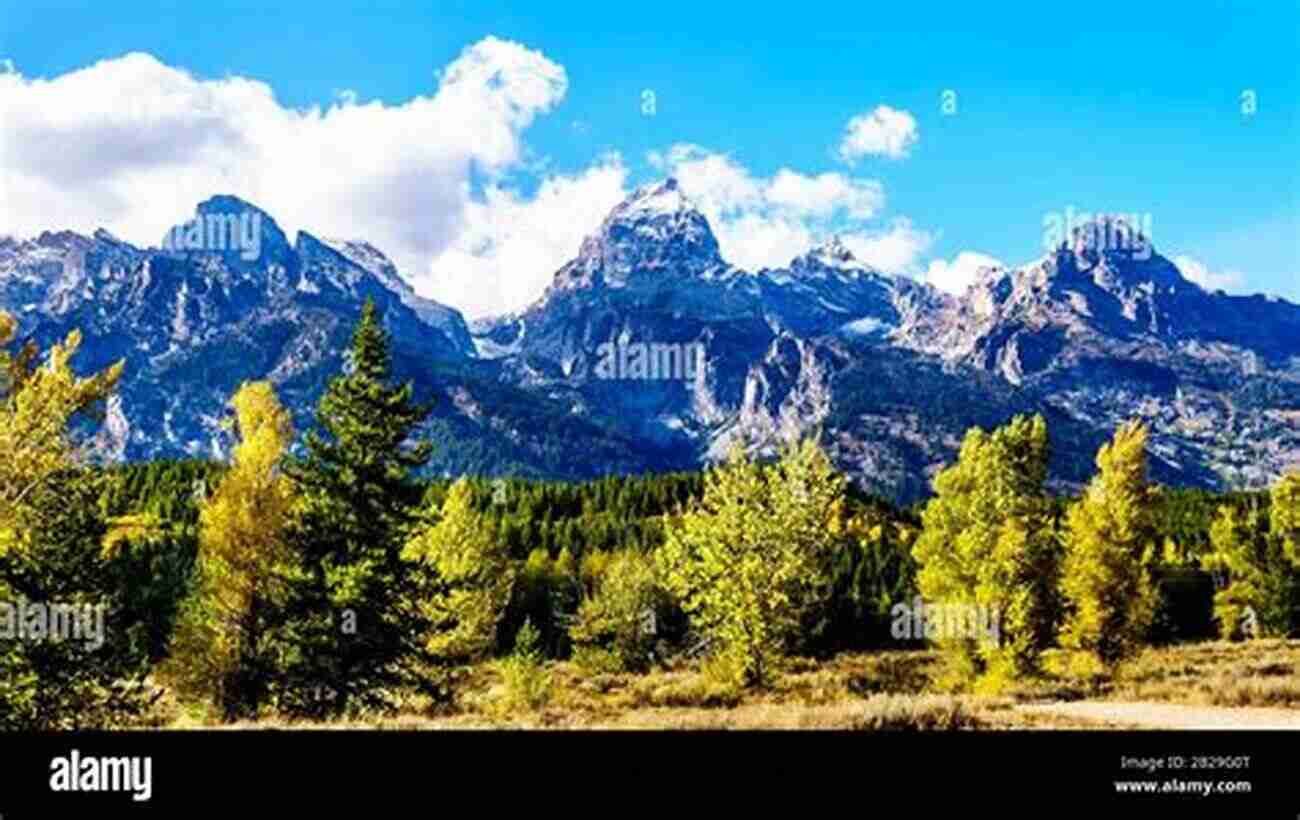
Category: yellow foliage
[987,543]
[134,527]
[1284,515]
[243,561]
[752,558]
[37,401]
[475,577]
[1110,535]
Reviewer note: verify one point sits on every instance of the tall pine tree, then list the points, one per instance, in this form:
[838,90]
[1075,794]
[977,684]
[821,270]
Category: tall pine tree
[354,631]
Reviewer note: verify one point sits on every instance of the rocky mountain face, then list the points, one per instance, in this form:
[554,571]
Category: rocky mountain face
[1105,335]
[200,314]
[648,351]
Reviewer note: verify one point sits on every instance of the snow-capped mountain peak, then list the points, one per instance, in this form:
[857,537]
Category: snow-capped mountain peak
[656,232]
[664,197]
[830,256]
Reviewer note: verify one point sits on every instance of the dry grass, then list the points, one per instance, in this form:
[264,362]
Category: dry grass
[881,691]
[1254,673]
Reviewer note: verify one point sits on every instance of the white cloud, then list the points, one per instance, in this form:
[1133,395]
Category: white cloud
[822,195]
[765,222]
[895,250]
[955,276]
[510,246]
[715,182]
[1227,280]
[885,132]
[132,145]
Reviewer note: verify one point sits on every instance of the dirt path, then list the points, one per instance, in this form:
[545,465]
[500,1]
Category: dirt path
[1170,715]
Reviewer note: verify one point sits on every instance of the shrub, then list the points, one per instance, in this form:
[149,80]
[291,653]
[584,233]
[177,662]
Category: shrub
[616,628]
[528,682]
[916,713]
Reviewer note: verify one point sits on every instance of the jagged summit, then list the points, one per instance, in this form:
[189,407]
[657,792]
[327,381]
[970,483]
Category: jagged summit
[665,197]
[1098,329]
[657,230]
[228,204]
[1107,232]
[235,228]
[1113,241]
[659,213]
[1114,253]
[830,255]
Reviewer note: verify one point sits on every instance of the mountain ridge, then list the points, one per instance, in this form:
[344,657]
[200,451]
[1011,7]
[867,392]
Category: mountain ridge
[888,370]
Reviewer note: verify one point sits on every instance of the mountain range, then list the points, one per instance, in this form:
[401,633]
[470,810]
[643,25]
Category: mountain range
[589,379]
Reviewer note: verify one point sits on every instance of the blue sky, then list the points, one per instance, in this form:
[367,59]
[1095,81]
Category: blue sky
[1118,107]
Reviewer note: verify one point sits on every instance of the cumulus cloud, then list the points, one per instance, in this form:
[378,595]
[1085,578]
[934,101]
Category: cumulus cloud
[510,245]
[1227,280]
[896,249]
[443,183]
[767,221]
[822,195]
[885,132]
[132,144]
[956,275]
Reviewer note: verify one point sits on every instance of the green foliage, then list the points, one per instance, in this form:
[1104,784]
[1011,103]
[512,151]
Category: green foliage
[474,579]
[154,563]
[225,650]
[752,559]
[988,541]
[872,570]
[1110,540]
[94,682]
[88,670]
[367,585]
[606,514]
[528,682]
[355,633]
[617,627]
[1256,565]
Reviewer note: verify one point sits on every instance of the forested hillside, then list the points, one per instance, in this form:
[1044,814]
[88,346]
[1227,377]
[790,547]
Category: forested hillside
[316,575]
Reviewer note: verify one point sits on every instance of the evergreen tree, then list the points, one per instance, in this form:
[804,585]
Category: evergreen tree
[1110,538]
[355,632]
